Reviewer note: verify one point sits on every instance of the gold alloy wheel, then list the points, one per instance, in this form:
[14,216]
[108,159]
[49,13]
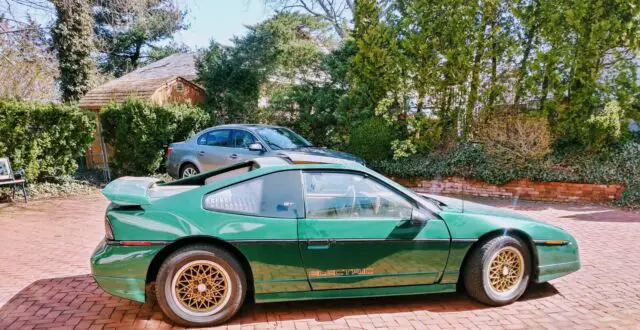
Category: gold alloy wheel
[201,288]
[506,270]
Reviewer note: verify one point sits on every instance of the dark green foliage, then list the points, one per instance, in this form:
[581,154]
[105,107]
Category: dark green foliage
[128,31]
[462,60]
[470,161]
[72,37]
[44,139]
[139,130]
[278,51]
[371,140]
[157,53]
[317,109]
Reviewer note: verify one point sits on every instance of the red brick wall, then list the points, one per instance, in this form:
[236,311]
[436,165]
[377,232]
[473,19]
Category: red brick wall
[523,189]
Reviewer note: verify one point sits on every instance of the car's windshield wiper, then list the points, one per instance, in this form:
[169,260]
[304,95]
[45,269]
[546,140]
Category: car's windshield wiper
[273,145]
[298,147]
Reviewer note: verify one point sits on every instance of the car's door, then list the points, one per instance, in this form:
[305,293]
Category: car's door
[213,149]
[240,141]
[260,216]
[357,233]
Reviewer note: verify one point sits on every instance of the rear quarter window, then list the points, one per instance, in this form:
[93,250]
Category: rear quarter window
[275,195]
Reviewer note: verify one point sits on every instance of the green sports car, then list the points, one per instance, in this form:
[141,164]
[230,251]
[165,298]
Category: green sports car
[271,230]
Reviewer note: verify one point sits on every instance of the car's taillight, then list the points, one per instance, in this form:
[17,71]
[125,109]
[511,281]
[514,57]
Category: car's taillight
[169,151]
[108,231]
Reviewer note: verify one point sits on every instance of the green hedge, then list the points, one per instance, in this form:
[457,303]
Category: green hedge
[470,161]
[138,131]
[44,139]
[371,140]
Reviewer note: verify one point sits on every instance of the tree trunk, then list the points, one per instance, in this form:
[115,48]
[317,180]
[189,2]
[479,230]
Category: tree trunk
[529,42]
[475,80]
[135,57]
[493,93]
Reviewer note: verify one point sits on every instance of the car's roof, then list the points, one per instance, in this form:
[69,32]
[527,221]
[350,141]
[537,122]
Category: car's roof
[247,126]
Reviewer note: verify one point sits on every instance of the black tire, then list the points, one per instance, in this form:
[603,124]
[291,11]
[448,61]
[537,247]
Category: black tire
[188,167]
[183,315]
[476,271]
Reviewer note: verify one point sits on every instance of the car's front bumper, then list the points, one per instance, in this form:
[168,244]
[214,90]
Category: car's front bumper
[122,270]
[557,260]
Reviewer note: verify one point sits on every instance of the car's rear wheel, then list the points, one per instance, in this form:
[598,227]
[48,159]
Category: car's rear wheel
[498,271]
[188,170]
[200,286]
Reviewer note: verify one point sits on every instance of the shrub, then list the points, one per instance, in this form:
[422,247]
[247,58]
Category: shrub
[515,138]
[138,131]
[44,139]
[471,161]
[603,128]
[371,140]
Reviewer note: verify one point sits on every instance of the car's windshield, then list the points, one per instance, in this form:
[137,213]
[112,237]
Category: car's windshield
[282,138]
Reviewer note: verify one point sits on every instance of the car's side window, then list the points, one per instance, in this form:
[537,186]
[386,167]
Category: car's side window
[241,139]
[276,195]
[217,138]
[351,195]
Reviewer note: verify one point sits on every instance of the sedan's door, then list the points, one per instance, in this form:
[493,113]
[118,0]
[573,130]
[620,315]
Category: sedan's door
[357,233]
[240,141]
[213,149]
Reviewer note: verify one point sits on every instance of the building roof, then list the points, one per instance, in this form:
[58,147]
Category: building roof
[143,82]
[181,65]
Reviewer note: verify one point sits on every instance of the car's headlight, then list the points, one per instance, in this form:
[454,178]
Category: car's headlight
[108,231]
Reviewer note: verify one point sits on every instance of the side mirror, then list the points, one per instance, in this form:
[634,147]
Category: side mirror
[256,147]
[419,218]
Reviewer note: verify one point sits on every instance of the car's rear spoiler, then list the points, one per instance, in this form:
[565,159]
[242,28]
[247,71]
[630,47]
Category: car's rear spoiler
[129,190]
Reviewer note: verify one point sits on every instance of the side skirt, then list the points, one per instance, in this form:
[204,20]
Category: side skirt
[355,293]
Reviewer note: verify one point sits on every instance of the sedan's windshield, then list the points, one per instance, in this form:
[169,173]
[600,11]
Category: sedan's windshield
[282,138]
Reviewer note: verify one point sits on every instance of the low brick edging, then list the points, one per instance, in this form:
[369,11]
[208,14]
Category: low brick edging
[522,189]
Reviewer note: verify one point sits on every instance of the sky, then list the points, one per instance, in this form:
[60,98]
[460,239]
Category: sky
[217,19]
[220,20]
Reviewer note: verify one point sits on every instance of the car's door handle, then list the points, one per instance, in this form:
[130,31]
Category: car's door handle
[320,244]
[202,152]
[233,156]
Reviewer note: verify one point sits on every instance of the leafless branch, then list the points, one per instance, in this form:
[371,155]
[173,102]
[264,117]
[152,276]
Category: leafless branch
[335,12]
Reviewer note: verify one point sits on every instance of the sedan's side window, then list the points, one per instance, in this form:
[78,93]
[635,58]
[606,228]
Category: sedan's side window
[349,195]
[276,195]
[217,138]
[241,139]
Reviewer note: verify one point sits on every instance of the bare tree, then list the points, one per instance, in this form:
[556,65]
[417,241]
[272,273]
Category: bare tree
[338,13]
[27,65]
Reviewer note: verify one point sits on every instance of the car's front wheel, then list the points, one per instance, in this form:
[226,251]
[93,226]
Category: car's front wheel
[200,286]
[497,272]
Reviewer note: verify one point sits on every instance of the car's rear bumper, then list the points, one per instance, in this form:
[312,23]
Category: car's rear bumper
[122,270]
[173,168]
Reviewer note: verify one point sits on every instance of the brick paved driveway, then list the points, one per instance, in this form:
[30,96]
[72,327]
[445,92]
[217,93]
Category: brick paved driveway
[44,281]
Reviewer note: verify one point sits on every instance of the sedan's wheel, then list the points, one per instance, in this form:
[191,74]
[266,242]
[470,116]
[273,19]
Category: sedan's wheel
[200,286]
[188,170]
[497,272]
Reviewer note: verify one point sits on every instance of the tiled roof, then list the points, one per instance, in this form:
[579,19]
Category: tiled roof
[143,82]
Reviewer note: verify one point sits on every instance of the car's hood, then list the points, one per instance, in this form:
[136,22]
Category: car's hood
[320,152]
[463,206]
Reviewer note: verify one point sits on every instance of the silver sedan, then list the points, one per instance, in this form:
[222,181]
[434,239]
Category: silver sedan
[227,144]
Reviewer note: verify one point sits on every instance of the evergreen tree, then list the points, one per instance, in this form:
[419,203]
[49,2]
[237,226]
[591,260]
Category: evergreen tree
[73,42]
[127,31]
